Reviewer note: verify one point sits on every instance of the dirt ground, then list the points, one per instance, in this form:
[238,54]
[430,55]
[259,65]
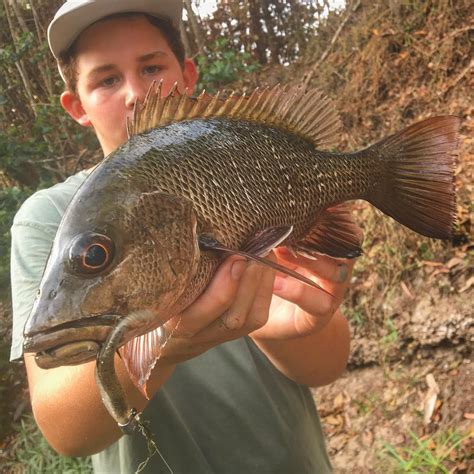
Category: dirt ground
[369,407]
[385,396]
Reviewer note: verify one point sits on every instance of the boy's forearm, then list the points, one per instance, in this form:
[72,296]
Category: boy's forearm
[314,360]
[68,408]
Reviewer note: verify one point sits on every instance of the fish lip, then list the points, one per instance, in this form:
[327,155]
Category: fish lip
[72,331]
[71,353]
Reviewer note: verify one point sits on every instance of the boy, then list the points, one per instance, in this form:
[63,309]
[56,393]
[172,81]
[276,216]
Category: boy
[222,402]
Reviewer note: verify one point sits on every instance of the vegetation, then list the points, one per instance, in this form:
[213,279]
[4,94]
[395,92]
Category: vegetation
[33,454]
[223,65]
[431,454]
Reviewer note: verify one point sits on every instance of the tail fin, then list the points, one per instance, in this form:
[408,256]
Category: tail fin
[417,186]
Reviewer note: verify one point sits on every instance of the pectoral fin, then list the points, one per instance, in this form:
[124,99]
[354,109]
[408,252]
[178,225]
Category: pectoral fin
[208,243]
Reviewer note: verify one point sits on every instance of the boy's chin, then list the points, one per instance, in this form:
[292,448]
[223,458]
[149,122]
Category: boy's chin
[111,145]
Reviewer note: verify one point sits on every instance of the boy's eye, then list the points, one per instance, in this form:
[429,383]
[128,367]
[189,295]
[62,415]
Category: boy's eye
[151,69]
[109,81]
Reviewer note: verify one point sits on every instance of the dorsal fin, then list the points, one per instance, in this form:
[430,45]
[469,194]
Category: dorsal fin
[306,113]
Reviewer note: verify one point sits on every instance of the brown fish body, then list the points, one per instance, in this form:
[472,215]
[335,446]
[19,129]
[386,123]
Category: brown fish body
[129,243]
[243,177]
[240,178]
[248,177]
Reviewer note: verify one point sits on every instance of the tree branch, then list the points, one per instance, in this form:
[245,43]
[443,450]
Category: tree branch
[331,44]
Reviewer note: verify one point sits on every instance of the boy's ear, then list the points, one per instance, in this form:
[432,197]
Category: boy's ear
[72,105]
[190,75]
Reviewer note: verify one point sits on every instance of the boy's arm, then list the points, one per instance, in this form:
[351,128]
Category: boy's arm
[314,360]
[69,411]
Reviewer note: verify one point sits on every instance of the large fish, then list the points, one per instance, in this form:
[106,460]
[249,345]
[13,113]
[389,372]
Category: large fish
[202,178]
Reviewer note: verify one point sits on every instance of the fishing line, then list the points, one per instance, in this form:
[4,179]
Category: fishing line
[151,446]
[142,426]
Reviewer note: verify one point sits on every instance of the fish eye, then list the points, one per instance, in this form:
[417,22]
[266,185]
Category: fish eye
[95,256]
[91,253]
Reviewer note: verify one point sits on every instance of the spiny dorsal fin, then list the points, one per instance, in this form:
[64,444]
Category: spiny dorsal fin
[306,113]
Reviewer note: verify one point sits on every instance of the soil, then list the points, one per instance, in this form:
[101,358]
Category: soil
[369,407]
[419,330]
[379,403]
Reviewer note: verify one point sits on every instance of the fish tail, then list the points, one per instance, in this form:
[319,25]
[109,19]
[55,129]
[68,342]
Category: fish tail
[416,185]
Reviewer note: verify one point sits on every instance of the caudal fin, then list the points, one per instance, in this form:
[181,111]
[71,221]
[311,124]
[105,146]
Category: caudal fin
[417,186]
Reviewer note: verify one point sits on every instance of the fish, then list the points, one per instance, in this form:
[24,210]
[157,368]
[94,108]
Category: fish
[202,178]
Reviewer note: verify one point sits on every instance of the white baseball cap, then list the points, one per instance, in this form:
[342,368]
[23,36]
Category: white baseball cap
[74,16]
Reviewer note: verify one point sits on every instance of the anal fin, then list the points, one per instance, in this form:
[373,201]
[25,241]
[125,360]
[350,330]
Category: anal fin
[334,233]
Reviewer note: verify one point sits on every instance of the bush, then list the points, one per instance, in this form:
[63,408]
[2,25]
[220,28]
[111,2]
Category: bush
[223,65]
[31,453]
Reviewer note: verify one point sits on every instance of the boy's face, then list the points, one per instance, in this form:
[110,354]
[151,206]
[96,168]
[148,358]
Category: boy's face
[116,62]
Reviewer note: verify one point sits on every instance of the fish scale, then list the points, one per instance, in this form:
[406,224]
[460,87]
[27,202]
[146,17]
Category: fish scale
[164,171]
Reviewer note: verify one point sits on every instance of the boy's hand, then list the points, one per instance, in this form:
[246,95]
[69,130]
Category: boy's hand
[298,309]
[240,301]
[235,303]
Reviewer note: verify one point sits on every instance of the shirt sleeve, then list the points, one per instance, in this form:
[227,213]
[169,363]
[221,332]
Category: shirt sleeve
[33,231]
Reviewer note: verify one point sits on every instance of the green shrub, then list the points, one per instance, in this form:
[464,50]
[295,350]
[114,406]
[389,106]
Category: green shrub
[31,453]
[223,65]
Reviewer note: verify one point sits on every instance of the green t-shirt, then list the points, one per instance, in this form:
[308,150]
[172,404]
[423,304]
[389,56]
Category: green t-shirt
[227,411]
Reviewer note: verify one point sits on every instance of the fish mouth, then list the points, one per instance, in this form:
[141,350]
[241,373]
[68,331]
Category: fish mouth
[70,343]
[73,353]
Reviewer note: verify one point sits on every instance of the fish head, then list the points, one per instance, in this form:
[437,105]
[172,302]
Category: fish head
[115,254]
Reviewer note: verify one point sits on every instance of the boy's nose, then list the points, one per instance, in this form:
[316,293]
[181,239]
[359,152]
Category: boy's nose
[134,92]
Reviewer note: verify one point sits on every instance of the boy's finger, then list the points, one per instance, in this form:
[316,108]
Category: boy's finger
[216,299]
[311,300]
[259,313]
[236,315]
[327,268]
[249,310]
